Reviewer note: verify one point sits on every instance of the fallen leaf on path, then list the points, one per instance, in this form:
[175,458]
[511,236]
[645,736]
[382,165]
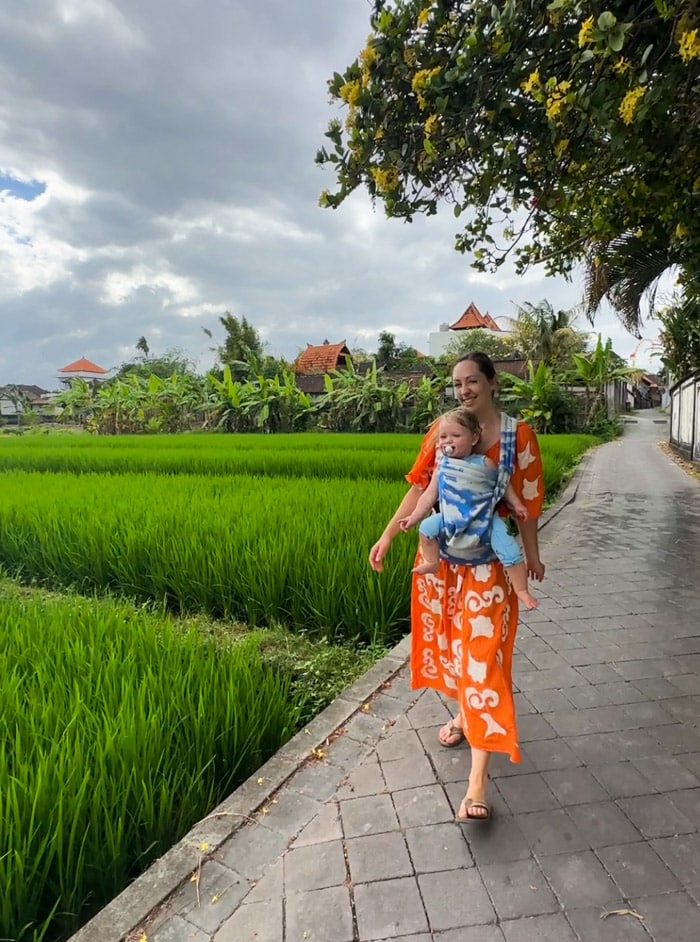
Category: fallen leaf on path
[622,912]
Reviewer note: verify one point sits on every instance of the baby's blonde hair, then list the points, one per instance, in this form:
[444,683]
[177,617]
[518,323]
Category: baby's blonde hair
[465,418]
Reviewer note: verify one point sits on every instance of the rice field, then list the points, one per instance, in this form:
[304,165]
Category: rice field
[120,728]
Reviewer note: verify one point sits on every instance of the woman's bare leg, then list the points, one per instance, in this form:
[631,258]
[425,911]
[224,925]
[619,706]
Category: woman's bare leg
[476,791]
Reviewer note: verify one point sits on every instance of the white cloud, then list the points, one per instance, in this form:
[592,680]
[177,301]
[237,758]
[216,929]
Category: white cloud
[176,144]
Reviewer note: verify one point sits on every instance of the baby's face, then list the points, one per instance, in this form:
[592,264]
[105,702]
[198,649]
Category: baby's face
[454,440]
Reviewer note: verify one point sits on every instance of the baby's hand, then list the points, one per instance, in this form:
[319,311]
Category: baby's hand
[407,523]
[520,511]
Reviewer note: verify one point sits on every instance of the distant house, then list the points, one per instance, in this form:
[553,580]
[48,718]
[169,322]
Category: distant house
[314,363]
[471,319]
[648,392]
[81,369]
[18,399]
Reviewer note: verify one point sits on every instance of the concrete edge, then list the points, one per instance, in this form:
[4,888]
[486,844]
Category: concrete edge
[166,874]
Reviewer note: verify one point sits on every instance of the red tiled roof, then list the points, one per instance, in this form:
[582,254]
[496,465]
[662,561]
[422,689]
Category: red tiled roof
[321,359]
[82,366]
[473,318]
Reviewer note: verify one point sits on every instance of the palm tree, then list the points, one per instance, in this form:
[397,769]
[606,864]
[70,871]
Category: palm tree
[626,271]
[544,335]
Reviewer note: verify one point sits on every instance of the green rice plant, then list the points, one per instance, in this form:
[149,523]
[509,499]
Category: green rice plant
[255,550]
[118,732]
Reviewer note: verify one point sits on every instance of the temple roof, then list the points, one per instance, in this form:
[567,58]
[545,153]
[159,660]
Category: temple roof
[82,366]
[473,318]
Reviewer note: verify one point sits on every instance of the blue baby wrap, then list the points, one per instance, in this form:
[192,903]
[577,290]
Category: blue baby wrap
[467,508]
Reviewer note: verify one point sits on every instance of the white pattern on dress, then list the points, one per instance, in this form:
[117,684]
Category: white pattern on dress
[482,627]
[476,670]
[492,727]
[531,489]
[525,457]
[478,699]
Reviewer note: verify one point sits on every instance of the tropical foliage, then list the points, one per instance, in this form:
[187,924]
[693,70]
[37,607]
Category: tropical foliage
[552,128]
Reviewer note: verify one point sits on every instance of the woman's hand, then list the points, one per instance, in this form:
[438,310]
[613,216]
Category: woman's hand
[535,569]
[378,552]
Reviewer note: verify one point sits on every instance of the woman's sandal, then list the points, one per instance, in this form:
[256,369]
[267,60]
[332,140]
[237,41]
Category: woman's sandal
[469,804]
[452,731]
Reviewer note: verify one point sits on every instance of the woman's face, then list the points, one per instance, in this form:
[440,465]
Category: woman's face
[472,388]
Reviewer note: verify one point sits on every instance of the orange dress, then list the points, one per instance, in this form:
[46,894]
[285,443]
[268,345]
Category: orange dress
[464,618]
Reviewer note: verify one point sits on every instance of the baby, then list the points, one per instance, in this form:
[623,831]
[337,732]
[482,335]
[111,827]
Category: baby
[463,478]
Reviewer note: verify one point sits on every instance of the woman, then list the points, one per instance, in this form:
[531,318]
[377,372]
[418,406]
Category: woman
[464,618]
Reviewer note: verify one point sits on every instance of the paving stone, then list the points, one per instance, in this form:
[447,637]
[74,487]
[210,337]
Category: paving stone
[365,728]
[252,849]
[324,827]
[451,765]
[677,739]
[574,786]
[534,727]
[622,780]
[656,816]
[523,707]
[254,922]
[578,879]
[681,854]
[215,904]
[318,916]
[455,898]
[553,928]
[551,754]
[688,803]
[400,745]
[637,869]
[269,886]
[549,679]
[671,918]
[591,928]
[290,810]
[666,773]
[420,806]
[547,701]
[603,823]
[552,832]
[388,909]
[378,857]
[518,891]
[691,761]
[370,815]
[600,674]
[428,711]
[527,793]
[318,780]
[438,847]
[502,767]
[470,934]
[408,773]
[455,794]
[178,929]
[502,840]
[314,867]
[365,780]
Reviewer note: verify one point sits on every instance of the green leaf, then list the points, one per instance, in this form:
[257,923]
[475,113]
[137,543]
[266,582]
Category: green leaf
[606,21]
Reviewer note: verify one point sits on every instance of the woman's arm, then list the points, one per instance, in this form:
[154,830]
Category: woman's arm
[405,508]
[528,534]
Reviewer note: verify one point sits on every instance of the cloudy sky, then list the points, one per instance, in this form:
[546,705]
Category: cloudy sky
[157,169]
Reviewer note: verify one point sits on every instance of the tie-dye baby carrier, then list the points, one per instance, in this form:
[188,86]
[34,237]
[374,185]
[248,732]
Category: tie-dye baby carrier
[469,492]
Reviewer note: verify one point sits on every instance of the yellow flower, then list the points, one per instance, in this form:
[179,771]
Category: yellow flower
[409,55]
[585,34]
[681,231]
[386,180]
[560,147]
[368,56]
[621,66]
[532,82]
[379,134]
[350,92]
[424,16]
[431,124]
[689,45]
[630,103]
[556,99]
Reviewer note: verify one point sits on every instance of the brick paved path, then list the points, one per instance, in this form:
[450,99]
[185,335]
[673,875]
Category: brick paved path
[604,811]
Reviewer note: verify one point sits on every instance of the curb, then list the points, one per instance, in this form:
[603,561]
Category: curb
[165,875]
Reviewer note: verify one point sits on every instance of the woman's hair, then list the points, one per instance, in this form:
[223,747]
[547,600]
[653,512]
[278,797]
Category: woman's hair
[463,417]
[482,360]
